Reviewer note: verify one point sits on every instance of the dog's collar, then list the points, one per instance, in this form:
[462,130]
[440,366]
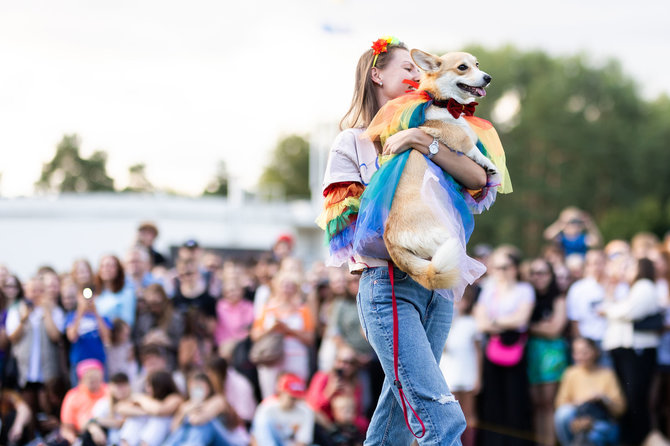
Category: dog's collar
[456,108]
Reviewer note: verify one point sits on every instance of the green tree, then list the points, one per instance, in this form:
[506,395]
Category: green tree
[137,179]
[287,175]
[219,184]
[69,172]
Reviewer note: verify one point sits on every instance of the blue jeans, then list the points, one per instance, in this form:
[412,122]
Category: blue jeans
[424,321]
[602,433]
[208,434]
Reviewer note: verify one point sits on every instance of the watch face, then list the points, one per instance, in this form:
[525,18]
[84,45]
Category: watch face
[433,147]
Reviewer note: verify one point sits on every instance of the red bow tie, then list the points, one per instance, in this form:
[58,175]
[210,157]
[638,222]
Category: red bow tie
[456,108]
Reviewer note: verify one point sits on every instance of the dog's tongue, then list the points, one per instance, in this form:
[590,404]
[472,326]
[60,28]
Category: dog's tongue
[481,92]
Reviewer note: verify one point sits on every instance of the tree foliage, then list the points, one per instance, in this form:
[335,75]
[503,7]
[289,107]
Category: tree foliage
[137,179]
[68,171]
[218,186]
[287,175]
[580,136]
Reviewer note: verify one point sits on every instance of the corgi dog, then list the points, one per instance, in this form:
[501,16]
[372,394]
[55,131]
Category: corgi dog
[416,239]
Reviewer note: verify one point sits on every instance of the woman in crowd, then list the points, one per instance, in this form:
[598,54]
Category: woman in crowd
[234,316]
[235,393]
[105,427]
[160,324]
[285,314]
[149,415]
[35,326]
[503,313]
[547,348]
[634,351]
[116,299]
[589,399]
[206,418]
[87,331]
[82,273]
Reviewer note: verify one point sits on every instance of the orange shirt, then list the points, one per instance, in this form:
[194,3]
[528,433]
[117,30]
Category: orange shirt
[78,405]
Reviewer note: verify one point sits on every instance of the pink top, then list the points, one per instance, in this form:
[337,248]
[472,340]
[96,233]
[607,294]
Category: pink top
[233,320]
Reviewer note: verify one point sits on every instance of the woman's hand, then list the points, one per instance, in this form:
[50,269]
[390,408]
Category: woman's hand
[413,138]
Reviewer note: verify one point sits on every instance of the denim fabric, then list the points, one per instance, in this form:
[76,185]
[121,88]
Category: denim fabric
[602,433]
[424,322]
[208,434]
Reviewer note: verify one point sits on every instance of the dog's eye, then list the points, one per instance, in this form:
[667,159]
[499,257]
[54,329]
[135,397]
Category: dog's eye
[477,64]
[462,67]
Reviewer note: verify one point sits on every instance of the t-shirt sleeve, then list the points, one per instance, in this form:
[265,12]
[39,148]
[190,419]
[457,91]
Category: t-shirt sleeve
[67,412]
[343,163]
[571,304]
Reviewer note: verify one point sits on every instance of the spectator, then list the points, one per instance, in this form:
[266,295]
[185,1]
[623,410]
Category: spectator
[196,345]
[68,293]
[286,314]
[191,288]
[585,300]
[4,339]
[105,427]
[234,316]
[15,418]
[152,359]
[35,326]
[147,233]
[574,232]
[148,416]
[284,419]
[77,409]
[265,270]
[337,282]
[137,268]
[547,348]
[342,379]
[236,390]
[503,313]
[213,266]
[589,399]
[121,351]
[461,360]
[634,351]
[160,324]
[283,247]
[87,331]
[116,299]
[344,431]
[82,273]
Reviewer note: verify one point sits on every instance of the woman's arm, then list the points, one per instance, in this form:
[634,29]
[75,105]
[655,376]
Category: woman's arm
[161,408]
[517,319]
[72,331]
[554,326]
[462,168]
[129,409]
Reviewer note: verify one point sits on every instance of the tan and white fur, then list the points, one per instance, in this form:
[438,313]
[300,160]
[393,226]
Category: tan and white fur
[415,237]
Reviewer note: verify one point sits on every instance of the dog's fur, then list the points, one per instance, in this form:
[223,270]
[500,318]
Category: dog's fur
[416,239]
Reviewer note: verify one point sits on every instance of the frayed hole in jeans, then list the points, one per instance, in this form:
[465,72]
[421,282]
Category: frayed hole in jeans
[444,399]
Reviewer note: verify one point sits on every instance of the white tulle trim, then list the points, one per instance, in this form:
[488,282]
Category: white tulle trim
[438,199]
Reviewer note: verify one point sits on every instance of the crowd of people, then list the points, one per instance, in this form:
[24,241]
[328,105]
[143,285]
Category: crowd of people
[200,350]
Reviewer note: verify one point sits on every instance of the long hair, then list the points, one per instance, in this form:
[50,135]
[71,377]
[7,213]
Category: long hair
[364,104]
[166,315]
[119,280]
[162,385]
[645,270]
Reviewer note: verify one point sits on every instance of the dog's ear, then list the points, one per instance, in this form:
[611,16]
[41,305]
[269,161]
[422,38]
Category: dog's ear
[425,61]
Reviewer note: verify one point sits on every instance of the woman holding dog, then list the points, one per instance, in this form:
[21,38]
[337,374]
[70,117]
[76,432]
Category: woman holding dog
[384,73]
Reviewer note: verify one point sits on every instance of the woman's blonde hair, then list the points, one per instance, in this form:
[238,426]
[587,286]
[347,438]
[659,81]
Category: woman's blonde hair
[364,104]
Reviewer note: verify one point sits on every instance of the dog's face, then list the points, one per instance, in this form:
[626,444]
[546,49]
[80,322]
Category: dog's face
[454,75]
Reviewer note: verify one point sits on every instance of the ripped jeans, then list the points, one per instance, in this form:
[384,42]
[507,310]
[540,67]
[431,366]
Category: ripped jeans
[424,322]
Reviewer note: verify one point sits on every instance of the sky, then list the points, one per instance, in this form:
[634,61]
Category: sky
[180,86]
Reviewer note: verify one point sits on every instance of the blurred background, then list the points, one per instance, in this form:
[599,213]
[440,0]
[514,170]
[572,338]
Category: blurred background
[214,118]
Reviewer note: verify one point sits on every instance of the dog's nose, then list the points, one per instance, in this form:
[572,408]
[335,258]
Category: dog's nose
[487,78]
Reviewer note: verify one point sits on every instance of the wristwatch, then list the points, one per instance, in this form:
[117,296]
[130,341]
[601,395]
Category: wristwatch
[433,148]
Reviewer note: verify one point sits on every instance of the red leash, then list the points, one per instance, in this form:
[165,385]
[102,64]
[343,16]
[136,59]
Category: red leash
[395,362]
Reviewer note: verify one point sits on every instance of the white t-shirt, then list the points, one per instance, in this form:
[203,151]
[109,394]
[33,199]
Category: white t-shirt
[498,304]
[584,300]
[295,425]
[353,158]
[36,321]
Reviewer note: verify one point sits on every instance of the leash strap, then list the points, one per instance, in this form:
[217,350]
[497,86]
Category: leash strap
[397,383]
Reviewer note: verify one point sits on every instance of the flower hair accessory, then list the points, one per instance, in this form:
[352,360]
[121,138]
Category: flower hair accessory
[381,46]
